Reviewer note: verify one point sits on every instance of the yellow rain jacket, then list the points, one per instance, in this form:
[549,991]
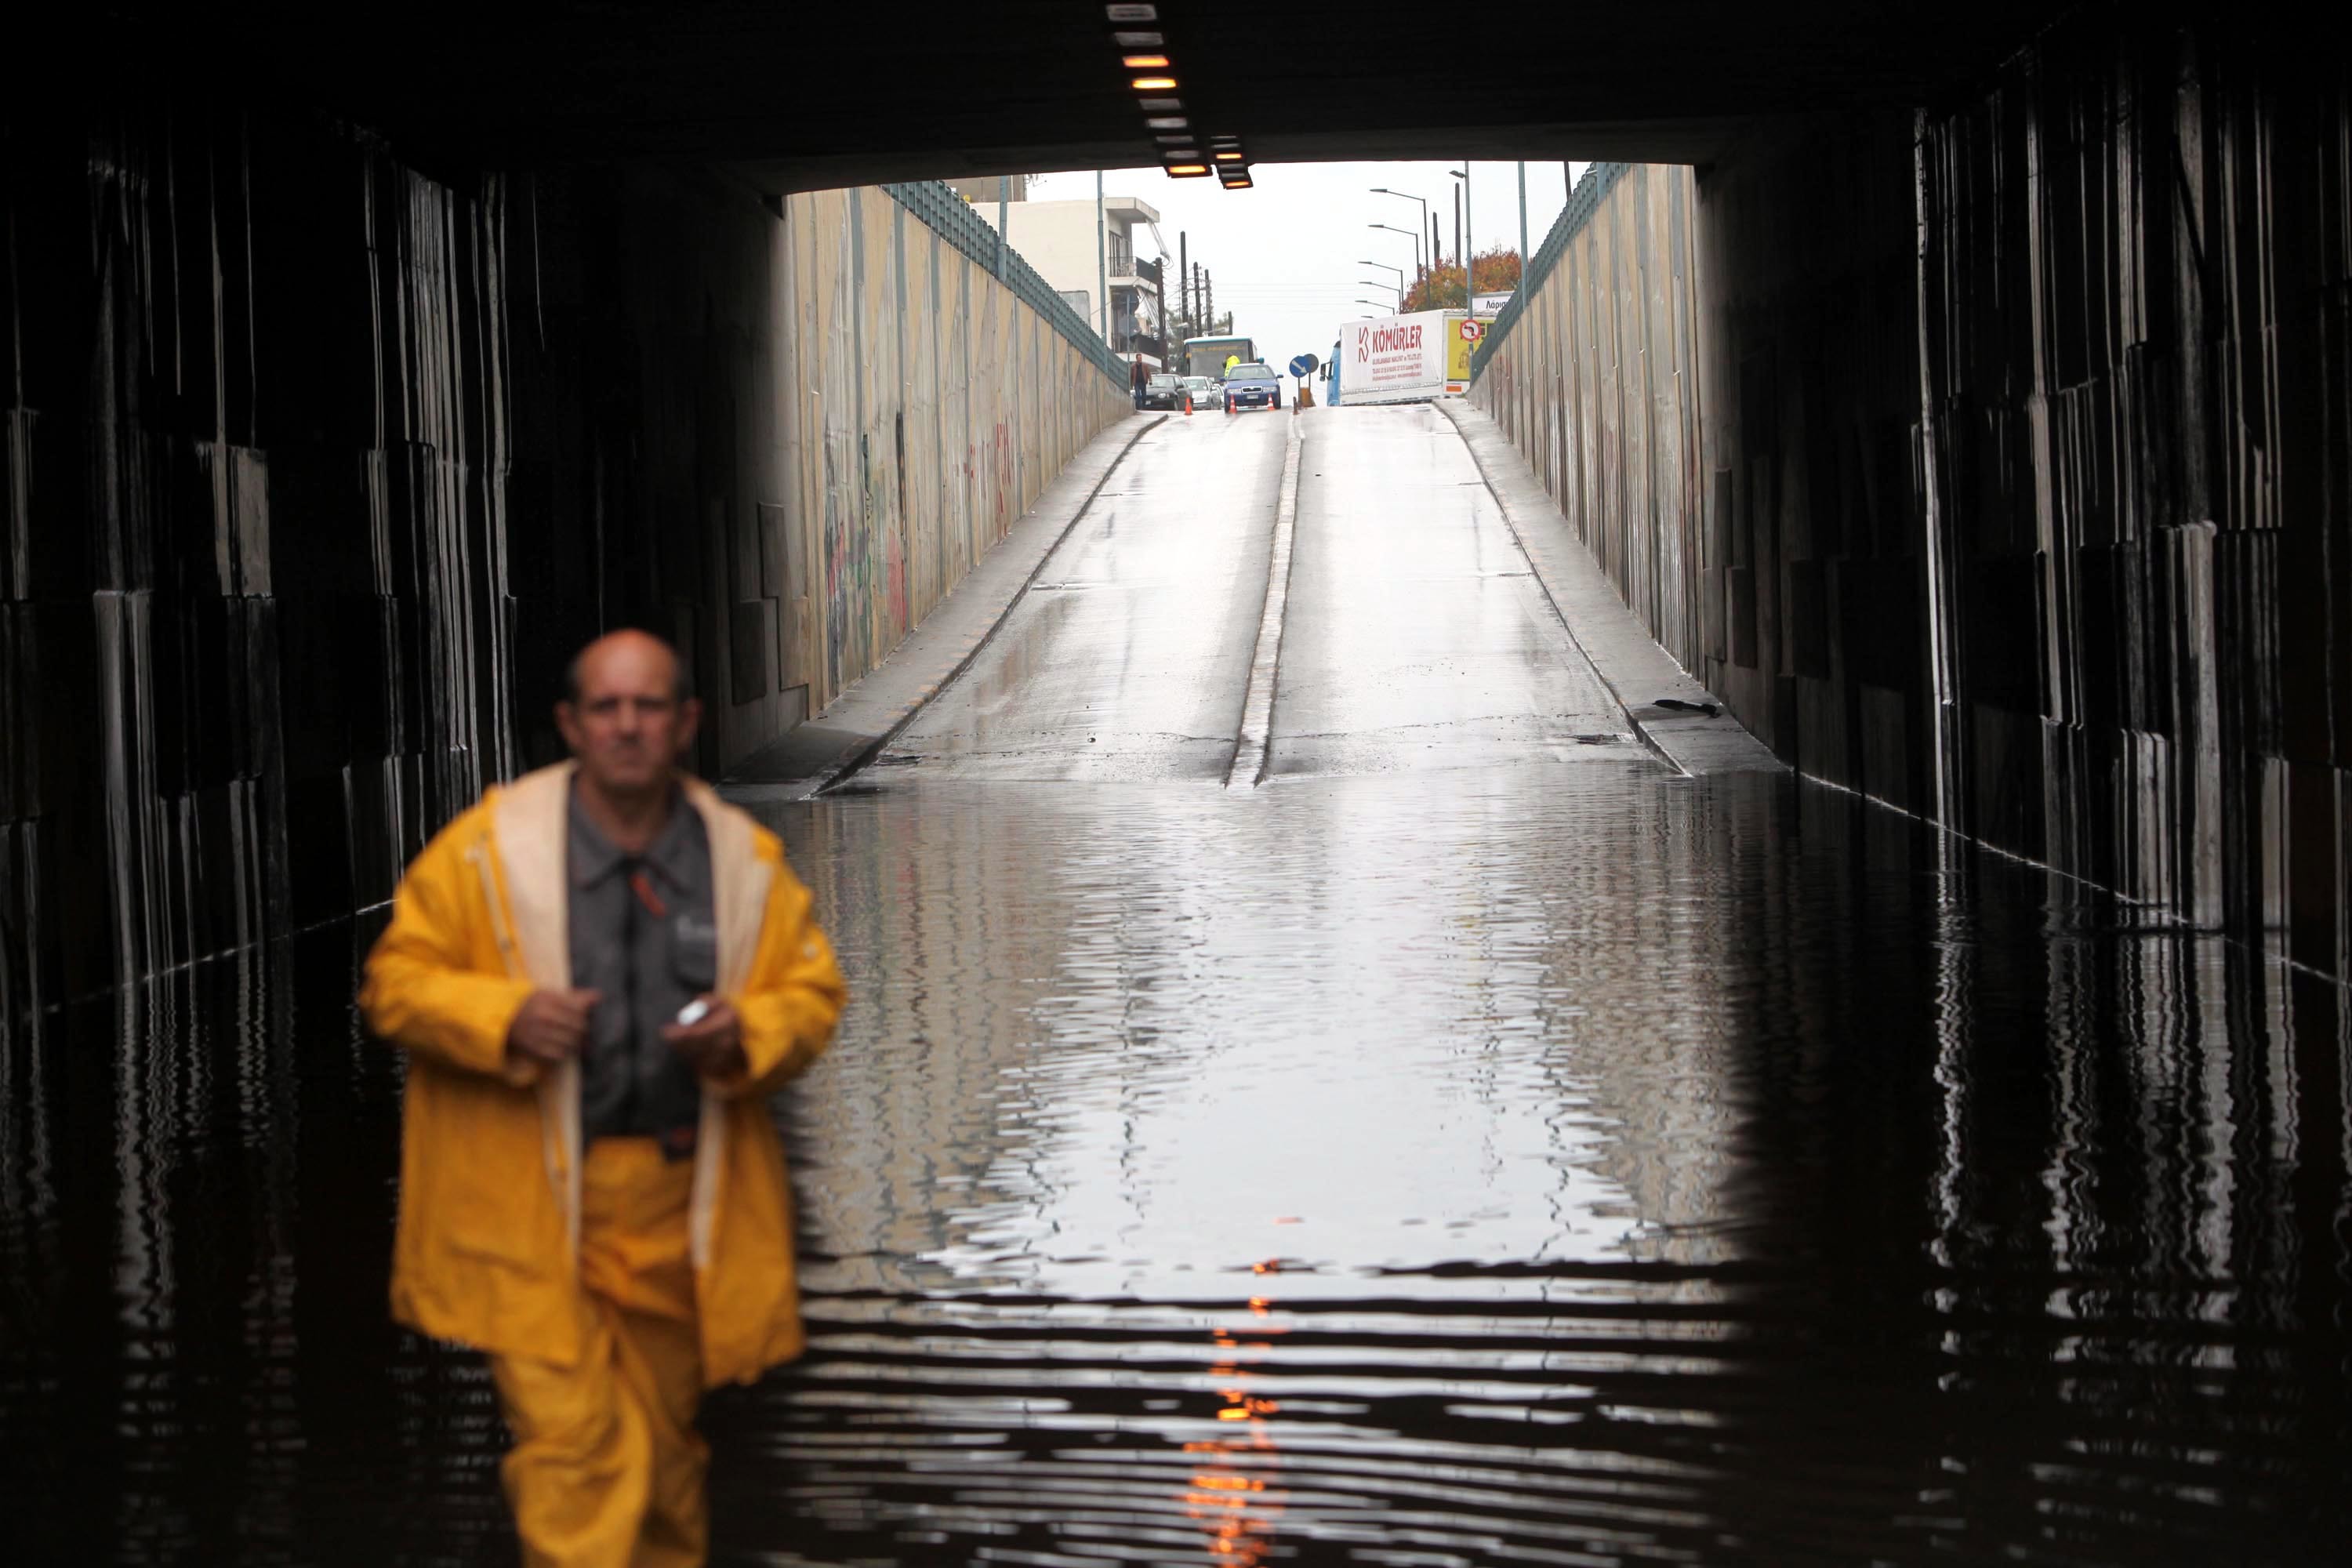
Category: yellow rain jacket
[487,1246]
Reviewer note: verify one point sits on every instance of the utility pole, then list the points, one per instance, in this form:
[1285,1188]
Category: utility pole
[1469,234]
[1184,281]
[1102,259]
[1457,232]
[1436,258]
[1523,226]
[1210,304]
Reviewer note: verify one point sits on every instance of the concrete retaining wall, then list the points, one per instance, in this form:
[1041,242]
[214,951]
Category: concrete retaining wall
[1988,461]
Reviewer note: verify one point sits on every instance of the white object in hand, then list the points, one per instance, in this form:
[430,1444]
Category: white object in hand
[693,1012]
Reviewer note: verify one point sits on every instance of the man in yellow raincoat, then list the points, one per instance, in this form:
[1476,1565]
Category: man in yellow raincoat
[600,973]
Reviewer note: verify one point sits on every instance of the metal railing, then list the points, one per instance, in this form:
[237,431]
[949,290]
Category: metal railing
[938,206]
[1599,179]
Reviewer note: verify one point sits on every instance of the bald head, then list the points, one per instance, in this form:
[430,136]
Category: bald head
[627,715]
[627,643]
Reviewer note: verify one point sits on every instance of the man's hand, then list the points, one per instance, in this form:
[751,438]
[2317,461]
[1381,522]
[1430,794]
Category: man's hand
[551,1025]
[713,1044]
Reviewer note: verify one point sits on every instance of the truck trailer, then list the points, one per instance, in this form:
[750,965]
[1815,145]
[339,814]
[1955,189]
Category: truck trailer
[1405,359]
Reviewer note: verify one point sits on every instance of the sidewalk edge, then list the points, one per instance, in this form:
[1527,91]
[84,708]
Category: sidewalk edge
[1613,639]
[885,701]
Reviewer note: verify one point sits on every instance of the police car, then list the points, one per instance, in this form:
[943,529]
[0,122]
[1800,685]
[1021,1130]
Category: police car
[1252,385]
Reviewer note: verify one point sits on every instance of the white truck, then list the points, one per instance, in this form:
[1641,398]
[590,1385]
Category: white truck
[1397,359]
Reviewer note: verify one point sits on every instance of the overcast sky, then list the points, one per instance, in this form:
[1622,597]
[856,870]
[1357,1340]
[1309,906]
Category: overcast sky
[1288,254]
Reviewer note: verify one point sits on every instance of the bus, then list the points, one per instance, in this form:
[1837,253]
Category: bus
[1209,356]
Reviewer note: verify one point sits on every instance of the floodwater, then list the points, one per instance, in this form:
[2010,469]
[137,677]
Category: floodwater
[1476,1144]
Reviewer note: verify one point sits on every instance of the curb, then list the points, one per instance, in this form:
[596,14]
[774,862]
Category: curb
[1683,734]
[786,769]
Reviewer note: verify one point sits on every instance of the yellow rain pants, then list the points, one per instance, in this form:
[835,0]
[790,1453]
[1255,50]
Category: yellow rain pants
[608,1469]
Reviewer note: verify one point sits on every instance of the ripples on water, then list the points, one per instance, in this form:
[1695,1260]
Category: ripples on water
[1524,1169]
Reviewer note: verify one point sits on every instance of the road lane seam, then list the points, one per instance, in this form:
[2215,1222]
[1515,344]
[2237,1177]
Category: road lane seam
[1250,746]
[863,757]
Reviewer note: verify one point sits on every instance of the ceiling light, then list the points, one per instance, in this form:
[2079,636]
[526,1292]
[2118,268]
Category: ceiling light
[1226,141]
[1144,62]
[1167,122]
[1229,157]
[1179,155]
[1132,12]
[1240,185]
[1176,139]
[1159,105]
[1186,171]
[1138,40]
[1153,84]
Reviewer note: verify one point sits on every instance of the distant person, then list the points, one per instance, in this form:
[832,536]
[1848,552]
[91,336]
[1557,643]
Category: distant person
[600,971]
[1137,378]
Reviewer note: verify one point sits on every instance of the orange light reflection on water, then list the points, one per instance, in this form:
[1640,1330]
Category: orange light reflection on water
[1234,1500]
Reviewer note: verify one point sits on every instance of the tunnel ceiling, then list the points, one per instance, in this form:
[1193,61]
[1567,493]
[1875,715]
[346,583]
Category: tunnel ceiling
[799,96]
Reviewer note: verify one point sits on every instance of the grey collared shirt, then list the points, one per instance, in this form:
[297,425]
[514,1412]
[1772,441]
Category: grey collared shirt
[644,935]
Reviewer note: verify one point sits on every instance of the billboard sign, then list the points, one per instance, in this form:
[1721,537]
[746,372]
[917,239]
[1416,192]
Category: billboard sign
[1393,359]
[1461,338]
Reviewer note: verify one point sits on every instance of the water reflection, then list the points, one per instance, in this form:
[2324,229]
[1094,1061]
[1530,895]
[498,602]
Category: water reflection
[1573,1167]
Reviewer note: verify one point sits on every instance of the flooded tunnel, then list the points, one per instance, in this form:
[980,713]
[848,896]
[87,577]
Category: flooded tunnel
[1337,1069]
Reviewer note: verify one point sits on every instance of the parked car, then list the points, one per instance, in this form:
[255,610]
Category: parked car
[1205,392]
[1163,391]
[1252,385]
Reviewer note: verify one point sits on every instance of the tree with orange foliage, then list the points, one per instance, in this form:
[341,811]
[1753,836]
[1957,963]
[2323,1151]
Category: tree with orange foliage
[1493,271]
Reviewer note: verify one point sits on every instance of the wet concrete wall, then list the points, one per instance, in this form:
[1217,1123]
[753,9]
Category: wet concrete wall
[314,470]
[927,406]
[2018,491]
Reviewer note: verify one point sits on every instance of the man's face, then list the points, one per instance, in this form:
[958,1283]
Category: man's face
[629,727]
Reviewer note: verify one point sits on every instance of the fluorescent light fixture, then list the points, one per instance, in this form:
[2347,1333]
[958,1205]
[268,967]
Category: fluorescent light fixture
[1226,141]
[1159,105]
[1177,139]
[1132,12]
[1138,40]
[1229,157]
[1167,122]
[1187,171]
[1153,84]
[1145,62]
[1240,185]
[1179,154]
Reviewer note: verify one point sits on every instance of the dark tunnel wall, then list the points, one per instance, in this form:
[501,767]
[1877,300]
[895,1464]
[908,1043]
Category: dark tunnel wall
[2022,490]
[316,470]
[252,598]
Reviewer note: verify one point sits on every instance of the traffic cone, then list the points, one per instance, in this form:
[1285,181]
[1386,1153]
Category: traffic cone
[1188,406]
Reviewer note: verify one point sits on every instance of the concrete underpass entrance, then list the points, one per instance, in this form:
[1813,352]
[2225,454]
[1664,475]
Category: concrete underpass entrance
[1727,951]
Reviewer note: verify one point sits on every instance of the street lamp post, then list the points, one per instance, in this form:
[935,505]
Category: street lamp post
[1409,235]
[1409,196]
[1398,285]
[1469,246]
[1385,283]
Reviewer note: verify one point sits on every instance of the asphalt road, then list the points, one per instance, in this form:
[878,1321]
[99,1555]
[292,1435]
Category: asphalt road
[1415,635]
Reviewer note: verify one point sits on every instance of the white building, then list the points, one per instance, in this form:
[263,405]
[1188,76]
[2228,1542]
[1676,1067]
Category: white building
[1058,238]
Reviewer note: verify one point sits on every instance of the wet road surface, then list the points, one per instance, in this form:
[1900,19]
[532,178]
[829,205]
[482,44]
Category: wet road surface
[1476,1144]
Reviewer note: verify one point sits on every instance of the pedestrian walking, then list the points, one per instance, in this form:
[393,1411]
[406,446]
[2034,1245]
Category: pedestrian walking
[600,971]
[1137,378]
